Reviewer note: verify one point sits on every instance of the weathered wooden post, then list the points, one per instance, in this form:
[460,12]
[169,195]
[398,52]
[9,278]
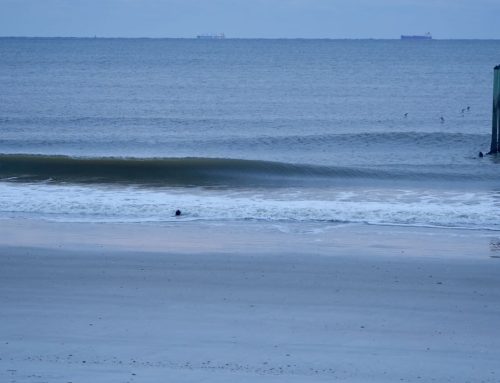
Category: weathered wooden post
[495,125]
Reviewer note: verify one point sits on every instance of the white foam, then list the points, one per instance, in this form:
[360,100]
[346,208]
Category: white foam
[79,203]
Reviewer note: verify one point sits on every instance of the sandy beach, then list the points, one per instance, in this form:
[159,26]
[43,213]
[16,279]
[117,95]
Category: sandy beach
[197,302]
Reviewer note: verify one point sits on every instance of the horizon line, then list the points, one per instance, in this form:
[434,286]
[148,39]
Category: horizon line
[235,38]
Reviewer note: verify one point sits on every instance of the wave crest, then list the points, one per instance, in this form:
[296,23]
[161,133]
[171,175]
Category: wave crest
[195,171]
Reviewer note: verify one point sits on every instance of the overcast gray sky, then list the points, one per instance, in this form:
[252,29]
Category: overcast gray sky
[251,18]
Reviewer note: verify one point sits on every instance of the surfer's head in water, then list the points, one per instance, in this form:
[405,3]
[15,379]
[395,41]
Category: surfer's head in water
[177,213]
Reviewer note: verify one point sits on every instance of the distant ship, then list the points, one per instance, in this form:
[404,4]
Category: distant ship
[427,36]
[217,36]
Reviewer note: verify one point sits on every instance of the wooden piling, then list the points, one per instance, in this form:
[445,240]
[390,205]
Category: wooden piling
[495,124]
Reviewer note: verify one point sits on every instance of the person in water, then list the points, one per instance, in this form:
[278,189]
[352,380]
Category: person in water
[177,213]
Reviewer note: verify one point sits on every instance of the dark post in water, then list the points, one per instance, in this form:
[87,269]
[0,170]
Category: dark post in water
[495,130]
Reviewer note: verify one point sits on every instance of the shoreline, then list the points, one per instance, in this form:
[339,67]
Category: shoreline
[186,236]
[136,303]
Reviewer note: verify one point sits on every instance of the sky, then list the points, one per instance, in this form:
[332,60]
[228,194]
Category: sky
[469,19]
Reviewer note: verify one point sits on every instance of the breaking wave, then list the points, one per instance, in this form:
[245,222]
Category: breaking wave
[194,171]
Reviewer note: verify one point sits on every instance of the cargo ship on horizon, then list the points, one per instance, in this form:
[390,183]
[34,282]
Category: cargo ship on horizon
[216,36]
[427,36]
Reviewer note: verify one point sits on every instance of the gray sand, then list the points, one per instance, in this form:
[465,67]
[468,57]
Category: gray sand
[338,311]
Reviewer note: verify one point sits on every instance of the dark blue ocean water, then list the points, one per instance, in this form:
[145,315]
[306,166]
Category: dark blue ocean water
[320,123]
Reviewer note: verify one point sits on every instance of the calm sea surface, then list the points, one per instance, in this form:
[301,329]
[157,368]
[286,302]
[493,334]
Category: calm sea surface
[126,130]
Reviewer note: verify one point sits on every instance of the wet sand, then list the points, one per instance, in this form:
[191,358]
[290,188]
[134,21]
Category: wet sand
[244,303]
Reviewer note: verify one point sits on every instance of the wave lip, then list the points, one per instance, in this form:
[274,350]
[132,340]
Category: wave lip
[199,171]
[167,171]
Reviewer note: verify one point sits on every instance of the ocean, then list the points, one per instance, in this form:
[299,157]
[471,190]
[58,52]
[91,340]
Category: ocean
[276,131]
